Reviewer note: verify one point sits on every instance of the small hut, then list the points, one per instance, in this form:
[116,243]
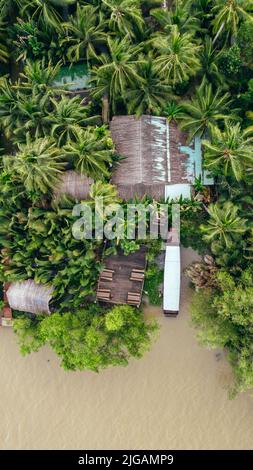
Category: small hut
[74,184]
[27,296]
[159,162]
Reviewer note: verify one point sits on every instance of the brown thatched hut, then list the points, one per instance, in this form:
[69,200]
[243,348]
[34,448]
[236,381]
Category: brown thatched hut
[158,162]
[74,184]
[27,296]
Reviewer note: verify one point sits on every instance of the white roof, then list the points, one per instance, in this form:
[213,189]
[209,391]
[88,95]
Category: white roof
[174,191]
[172,274]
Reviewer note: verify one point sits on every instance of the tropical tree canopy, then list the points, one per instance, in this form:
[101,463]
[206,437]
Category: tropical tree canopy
[106,192]
[228,14]
[117,71]
[224,319]
[37,164]
[230,151]
[39,75]
[180,14]
[90,153]
[178,56]
[85,33]
[224,223]
[204,110]
[50,11]
[125,16]
[67,117]
[3,47]
[150,95]
[89,339]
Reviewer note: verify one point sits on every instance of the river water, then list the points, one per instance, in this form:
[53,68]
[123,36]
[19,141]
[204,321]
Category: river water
[175,397]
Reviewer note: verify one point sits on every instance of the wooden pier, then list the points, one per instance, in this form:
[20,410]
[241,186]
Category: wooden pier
[121,281]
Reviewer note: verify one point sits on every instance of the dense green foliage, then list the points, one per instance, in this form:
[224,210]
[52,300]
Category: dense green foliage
[152,286]
[90,338]
[41,246]
[190,61]
[225,319]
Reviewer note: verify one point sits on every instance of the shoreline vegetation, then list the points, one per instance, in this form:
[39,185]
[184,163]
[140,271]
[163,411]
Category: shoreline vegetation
[188,61]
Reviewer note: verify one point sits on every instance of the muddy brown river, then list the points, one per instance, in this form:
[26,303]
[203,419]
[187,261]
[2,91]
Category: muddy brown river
[175,397]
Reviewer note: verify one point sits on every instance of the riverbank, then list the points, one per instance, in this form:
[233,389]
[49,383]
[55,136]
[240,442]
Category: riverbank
[175,397]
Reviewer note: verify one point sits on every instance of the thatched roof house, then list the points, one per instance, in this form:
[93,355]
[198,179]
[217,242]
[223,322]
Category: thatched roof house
[27,296]
[74,184]
[158,160]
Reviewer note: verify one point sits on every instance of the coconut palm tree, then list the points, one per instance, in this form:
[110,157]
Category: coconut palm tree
[228,14]
[209,57]
[229,151]
[30,115]
[180,14]
[50,11]
[117,70]
[204,110]
[86,30]
[9,8]
[125,16]
[67,117]
[106,192]
[172,111]
[4,55]
[90,153]
[8,105]
[224,224]
[37,164]
[178,56]
[39,76]
[150,95]
[23,111]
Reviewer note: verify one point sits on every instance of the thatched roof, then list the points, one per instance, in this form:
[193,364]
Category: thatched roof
[130,191]
[74,184]
[144,142]
[27,296]
[156,154]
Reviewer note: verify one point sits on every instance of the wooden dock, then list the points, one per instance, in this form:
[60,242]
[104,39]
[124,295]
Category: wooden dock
[125,283]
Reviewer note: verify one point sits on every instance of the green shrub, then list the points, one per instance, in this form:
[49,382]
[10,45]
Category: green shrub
[89,338]
[153,280]
[230,61]
[245,42]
